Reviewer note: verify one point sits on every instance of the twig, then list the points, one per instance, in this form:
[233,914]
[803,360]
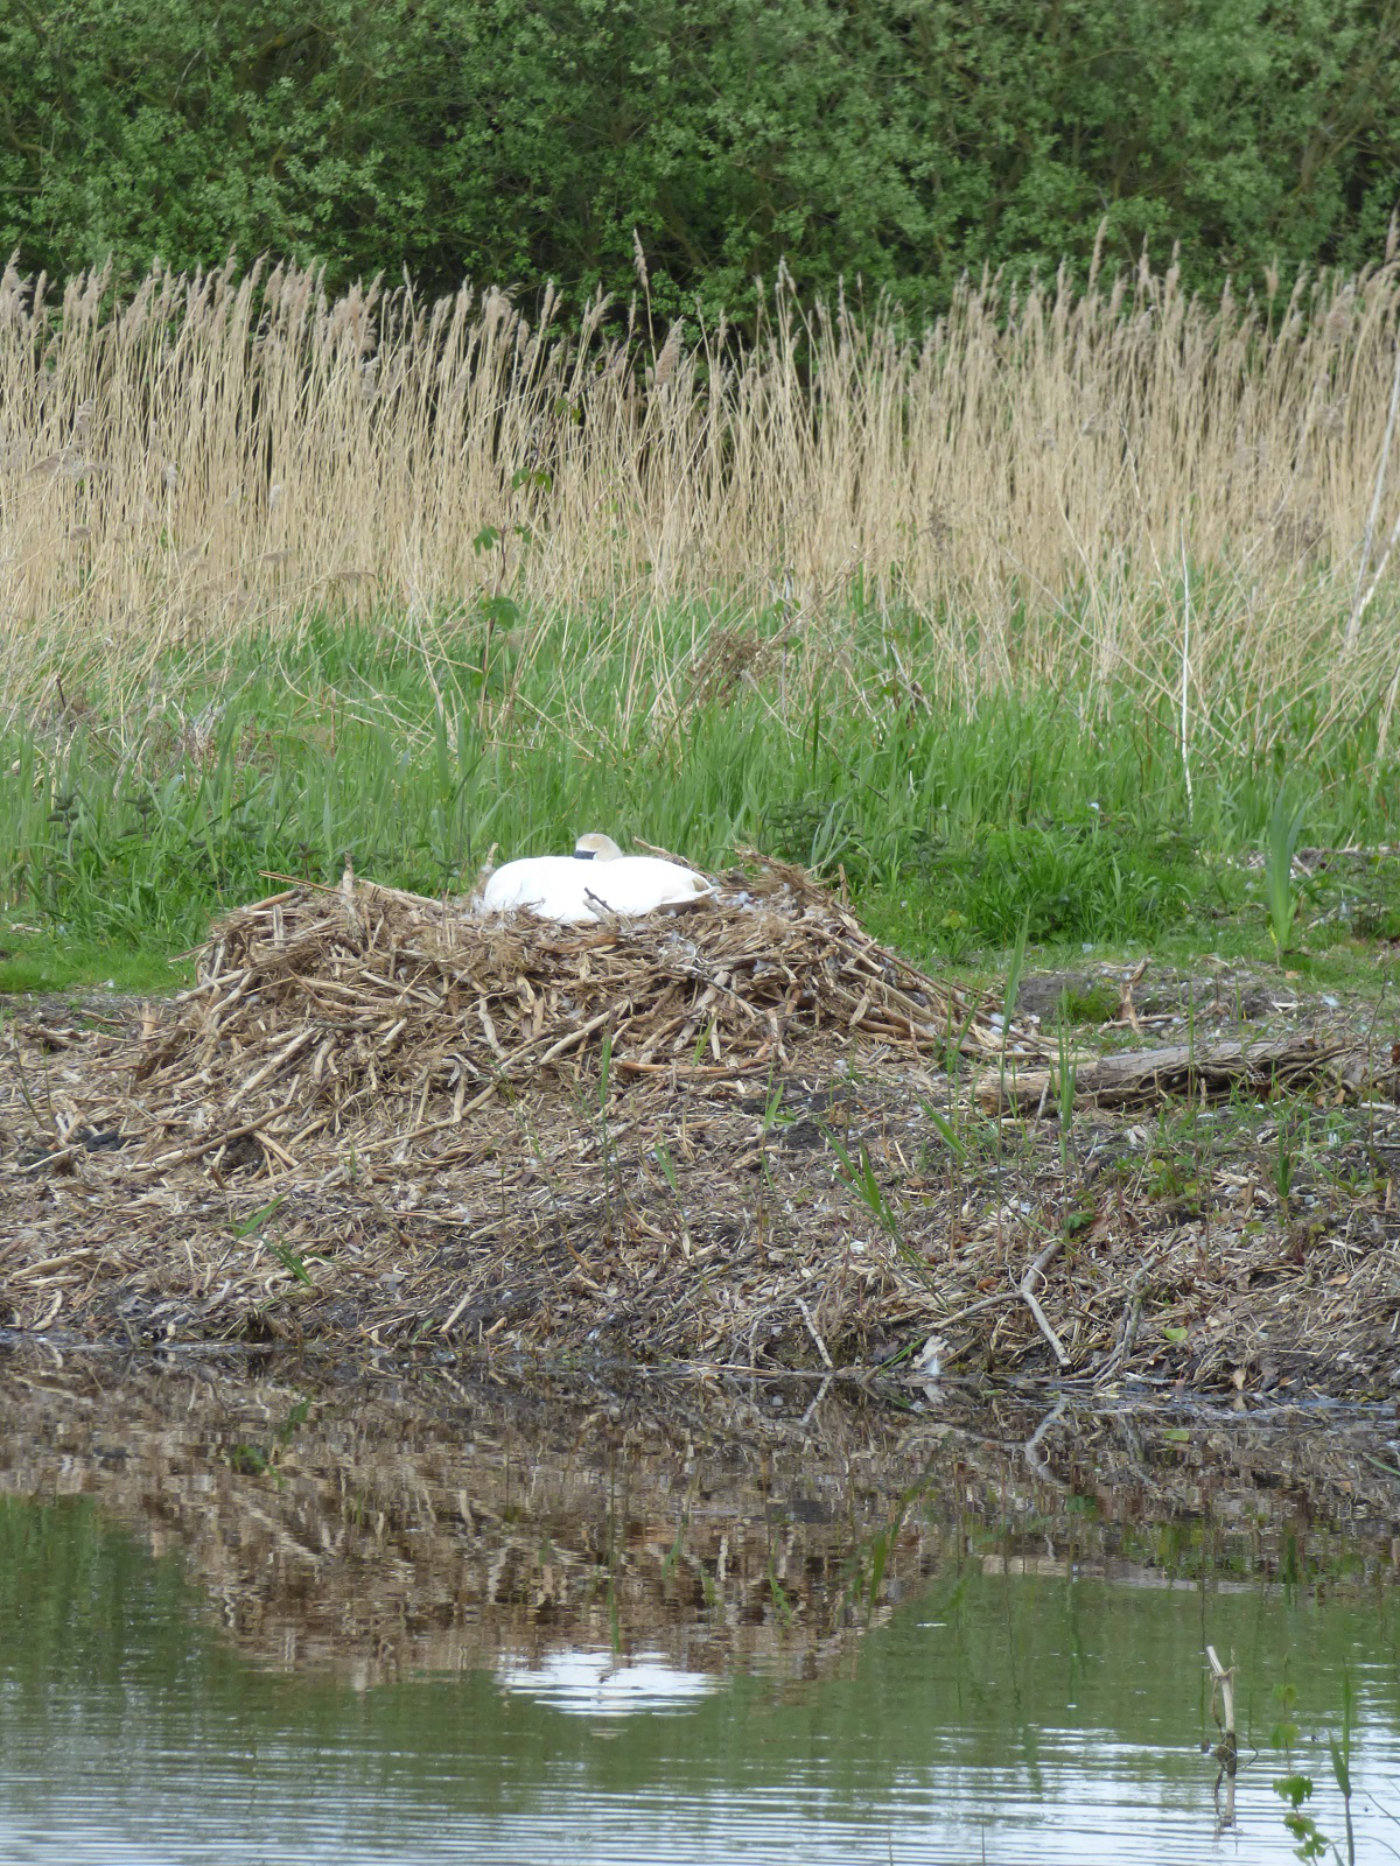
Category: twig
[852,1376]
[47,1162]
[1031,1448]
[816,1401]
[221,1139]
[1127,1334]
[975,1308]
[827,1361]
[1225,1686]
[1042,1322]
[1226,1751]
[432,1127]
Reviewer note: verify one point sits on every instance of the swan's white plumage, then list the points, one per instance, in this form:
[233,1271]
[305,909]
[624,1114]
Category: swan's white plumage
[552,885]
[598,878]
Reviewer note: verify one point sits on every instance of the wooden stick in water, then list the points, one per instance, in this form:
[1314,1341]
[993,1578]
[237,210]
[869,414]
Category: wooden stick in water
[1226,1751]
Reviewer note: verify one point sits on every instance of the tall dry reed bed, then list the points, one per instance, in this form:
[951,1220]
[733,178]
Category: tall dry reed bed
[1124,481]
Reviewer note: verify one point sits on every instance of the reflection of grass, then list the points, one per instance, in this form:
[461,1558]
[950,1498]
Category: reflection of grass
[784,1607]
[870,1558]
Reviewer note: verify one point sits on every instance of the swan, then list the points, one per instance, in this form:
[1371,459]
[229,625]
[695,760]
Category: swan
[596,879]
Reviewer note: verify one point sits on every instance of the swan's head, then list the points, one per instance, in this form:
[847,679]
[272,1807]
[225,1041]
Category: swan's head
[595,848]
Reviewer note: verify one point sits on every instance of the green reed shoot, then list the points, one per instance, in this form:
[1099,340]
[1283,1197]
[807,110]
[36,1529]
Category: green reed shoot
[1065,1085]
[945,1130]
[859,1175]
[1281,837]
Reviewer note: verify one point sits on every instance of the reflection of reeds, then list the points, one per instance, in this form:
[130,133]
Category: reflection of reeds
[381,1525]
[223,452]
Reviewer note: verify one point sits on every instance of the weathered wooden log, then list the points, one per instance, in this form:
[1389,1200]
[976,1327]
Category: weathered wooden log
[1142,1078]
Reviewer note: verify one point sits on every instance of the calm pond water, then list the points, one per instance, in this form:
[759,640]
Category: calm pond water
[271,1613]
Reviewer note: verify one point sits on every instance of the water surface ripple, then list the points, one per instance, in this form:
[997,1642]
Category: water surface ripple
[270,1612]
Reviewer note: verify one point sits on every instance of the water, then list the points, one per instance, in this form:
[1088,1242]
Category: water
[271,1615]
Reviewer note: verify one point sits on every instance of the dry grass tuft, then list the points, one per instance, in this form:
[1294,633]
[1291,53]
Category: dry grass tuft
[225,453]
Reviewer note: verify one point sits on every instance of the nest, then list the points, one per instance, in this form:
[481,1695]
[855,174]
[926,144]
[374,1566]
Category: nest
[369,1013]
[379,1117]
[734,1135]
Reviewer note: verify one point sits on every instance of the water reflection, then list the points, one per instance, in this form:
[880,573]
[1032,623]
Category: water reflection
[276,1612]
[599,1684]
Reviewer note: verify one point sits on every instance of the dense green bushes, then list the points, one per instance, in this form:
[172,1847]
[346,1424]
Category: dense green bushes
[516,140]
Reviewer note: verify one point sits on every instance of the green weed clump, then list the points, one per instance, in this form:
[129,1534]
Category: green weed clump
[129,820]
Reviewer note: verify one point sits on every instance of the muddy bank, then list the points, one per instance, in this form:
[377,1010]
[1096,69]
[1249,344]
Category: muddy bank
[743,1136]
[374,1522]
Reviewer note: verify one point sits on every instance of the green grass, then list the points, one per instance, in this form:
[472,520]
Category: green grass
[130,818]
[38,959]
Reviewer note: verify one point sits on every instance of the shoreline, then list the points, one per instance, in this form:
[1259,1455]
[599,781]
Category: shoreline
[807,1193]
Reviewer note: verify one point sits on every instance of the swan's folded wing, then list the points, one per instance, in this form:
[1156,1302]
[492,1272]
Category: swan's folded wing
[639,884]
[552,885]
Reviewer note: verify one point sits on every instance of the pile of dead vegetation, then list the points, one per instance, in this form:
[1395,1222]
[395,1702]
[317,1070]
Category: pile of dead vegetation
[379,1116]
[367,1017]
[737,1134]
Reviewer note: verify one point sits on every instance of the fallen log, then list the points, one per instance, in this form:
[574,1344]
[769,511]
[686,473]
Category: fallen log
[1143,1078]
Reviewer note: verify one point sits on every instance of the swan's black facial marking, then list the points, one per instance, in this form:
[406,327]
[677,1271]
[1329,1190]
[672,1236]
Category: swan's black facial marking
[583,855]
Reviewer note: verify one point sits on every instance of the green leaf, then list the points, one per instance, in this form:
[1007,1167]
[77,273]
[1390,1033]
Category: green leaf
[290,1261]
[256,1220]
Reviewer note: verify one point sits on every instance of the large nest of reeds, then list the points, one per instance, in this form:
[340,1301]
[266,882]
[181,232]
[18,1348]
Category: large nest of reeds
[368,1017]
[737,1134]
[382,1116]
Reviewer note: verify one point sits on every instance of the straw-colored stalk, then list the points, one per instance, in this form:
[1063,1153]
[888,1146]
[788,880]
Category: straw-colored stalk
[219,453]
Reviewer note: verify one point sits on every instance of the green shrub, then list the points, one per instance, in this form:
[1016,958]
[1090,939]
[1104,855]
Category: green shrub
[514,140]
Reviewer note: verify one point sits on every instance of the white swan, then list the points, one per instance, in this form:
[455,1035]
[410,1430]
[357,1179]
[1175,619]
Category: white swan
[596,879]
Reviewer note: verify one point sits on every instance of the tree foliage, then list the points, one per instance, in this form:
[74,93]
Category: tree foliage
[514,140]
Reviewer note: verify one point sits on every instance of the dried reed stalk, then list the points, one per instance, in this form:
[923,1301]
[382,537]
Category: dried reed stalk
[222,453]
